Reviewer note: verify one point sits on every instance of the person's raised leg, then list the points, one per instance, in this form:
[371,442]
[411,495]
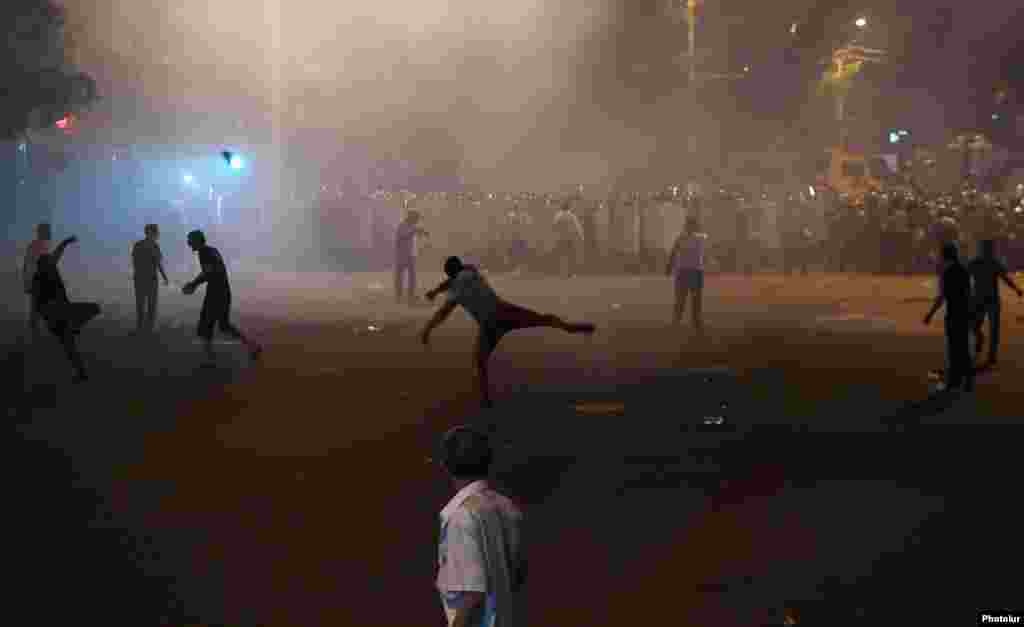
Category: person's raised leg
[515,317]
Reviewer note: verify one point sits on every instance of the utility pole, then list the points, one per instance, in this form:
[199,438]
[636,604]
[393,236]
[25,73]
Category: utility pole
[272,16]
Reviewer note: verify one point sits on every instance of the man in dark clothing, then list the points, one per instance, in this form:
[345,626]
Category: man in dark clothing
[147,263]
[987,270]
[216,309]
[64,318]
[955,293]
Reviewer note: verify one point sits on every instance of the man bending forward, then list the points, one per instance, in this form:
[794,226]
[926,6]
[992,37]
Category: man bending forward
[496,317]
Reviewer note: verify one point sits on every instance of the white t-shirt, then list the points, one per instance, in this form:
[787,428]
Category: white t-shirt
[470,290]
[480,550]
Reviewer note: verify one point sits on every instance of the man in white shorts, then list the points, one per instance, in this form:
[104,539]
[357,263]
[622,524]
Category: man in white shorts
[496,317]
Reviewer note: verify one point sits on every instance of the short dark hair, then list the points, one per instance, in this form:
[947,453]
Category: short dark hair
[151,228]
[988,247]
[950,252]
[453,266]
[197,236]
[466,453]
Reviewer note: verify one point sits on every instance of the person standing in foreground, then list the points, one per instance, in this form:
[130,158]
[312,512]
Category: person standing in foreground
[64,318]
[405,254]
[955,292]
[147,261]
[216,309]
[686,262]
[481,565]
[40,246]
[987,270]
[496,317]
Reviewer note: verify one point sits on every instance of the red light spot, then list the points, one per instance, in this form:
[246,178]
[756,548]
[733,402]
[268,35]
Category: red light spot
[63,123]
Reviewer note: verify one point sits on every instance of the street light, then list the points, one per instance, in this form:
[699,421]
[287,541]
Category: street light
[861,22]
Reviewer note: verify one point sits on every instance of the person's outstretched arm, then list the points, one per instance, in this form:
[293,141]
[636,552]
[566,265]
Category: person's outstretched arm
[1005,276]
[443,287]
[59,252]
[209,270]
[436,320]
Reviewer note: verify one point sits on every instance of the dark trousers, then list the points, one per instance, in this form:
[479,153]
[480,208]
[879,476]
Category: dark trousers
[403,267]
[146,295]
[958,353]
[992,311]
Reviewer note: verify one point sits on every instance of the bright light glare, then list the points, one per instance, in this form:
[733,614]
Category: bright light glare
[810,188]
[189,179]
[236,163]
[861,22]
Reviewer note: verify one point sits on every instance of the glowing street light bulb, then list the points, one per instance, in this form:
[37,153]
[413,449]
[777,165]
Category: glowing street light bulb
[236,163]
[189,179]
[861,22]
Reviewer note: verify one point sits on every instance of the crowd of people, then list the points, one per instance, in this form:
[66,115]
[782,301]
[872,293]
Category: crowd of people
[481,563]
[48,302]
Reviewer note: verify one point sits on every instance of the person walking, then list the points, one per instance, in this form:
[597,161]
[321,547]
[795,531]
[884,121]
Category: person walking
[405,255]
[216,310]
[987,270]
[481,570]
[955,293]
[39,246]
[686,263]
[147,263]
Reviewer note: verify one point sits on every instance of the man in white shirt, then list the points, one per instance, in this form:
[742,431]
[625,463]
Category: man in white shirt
[481,564]
[40,246]
[496,317]
[569,234]
[686,262]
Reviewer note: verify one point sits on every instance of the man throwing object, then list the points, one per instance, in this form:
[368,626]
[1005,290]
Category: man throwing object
[217,301]
[496,317]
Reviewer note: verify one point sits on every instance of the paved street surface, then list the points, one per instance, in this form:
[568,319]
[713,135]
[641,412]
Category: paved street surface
[296,491]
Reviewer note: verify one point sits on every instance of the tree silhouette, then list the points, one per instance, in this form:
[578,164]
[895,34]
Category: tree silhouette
[38,83]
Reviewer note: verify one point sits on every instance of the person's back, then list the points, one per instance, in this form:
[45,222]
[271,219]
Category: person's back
[986,270]
[689,253]
[956,289]
[496,523]
[146,257]
[47,284]
[471,290]
[217,283]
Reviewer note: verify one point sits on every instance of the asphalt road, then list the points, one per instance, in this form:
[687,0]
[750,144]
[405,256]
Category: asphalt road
[296,491]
